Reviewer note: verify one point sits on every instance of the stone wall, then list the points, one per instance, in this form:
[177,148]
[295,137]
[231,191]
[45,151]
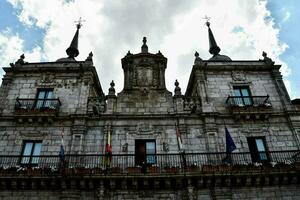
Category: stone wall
[263,193]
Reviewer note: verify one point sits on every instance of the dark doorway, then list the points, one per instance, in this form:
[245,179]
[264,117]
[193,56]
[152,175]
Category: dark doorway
[144,152]
[258,149]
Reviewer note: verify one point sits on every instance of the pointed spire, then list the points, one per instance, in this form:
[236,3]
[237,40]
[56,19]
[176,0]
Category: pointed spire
[144,46]
[214,49]
[72,51]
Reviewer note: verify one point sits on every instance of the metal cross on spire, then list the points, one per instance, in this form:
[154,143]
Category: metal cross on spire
[207,20]
[79,23]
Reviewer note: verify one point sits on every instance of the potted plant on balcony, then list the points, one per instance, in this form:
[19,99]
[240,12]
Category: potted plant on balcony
[193,168]
[171,169]
[153,169]
[134,170]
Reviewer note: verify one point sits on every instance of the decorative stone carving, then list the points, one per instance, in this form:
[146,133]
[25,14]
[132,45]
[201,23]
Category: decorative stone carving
[21,60]
[238,76]
[125,147]
[111,90]
[90,57]
[266,59]
[198,60]
[177,90]
[165,147]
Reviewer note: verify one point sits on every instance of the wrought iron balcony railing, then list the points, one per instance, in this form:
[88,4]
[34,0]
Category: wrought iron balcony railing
[251,101]
[124,164]
[40,105]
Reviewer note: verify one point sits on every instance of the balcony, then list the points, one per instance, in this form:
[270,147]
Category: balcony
[252,107]
[40,108]
[169,171]
[124,165]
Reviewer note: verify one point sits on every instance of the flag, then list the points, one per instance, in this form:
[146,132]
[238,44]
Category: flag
[179,140]
[61,153]
[108,149]
[230,146]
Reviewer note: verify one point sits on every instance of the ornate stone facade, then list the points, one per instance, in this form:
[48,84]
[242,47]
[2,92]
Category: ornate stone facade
[163,146]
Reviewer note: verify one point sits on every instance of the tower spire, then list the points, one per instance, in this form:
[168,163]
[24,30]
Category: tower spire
[214,49]
[73,51]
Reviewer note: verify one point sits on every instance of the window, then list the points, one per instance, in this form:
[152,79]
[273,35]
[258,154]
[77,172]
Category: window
[30,150]
[258,150]
[42,96]
[242,95]
[144,152]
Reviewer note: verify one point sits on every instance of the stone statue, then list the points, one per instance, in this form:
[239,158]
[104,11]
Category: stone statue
[21,60]
[266,59]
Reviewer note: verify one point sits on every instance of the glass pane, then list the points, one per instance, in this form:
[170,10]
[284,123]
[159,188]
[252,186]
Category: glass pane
[41,95]
[150,149]
[27,149]
[49,94]
[36,152]
[237,92]
[260,145]
[27,152]
[245,92]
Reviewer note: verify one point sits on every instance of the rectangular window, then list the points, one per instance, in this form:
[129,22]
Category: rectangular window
[242,95]
[144,152]
[31,149]
[43,96]
[258,150]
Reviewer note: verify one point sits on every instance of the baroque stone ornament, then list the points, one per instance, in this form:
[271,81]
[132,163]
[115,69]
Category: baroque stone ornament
[177,90]
[198,60]
[238,76]
[21,60]
[266,59]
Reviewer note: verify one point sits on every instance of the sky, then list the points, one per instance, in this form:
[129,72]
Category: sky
[43,30]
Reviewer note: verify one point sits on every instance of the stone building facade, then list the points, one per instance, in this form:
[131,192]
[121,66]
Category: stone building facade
[61,137]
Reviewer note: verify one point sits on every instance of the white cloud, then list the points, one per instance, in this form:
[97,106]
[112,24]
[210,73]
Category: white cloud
[12,46]
[175,27]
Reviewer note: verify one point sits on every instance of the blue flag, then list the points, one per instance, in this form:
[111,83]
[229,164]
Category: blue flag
[61,152]
[230,146]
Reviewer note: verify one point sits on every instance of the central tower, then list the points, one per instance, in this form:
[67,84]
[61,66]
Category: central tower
[144,71]
[144,83]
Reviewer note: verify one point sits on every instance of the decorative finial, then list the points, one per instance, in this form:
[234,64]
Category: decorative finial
[111,90]
[214,49]
[198,60]
[144,46]
[177,90]
[112,83]
[207,20]
[128,53]
[267,59]
[73,51]
[159,53]
[79,23]
[21,59]
[90,57]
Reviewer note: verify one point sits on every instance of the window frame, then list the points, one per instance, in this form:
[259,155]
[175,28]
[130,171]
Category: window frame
[42,103]
[256,155]
[31,156]
[137,156]
[242,99]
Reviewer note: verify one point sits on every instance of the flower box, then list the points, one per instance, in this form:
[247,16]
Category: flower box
[133,170]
